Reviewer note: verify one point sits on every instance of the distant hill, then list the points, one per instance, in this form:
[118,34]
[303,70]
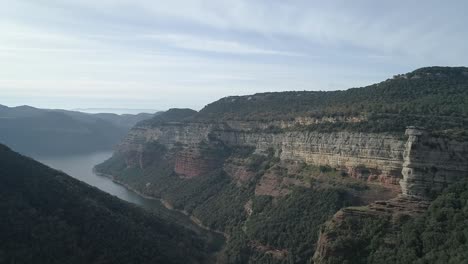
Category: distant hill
[37,131]
[49,217]
[171,115]
[433,97]
[119,111]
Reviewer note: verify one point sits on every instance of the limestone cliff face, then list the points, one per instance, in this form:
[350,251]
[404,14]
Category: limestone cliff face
[363,155]
[431,163]
[372,157]
[168,134]
[422,164]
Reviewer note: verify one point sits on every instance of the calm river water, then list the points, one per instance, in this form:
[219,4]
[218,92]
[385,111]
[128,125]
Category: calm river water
[81,168]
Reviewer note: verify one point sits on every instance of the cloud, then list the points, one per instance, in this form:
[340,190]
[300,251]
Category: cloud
[398,28]
[203,49]
[191,42]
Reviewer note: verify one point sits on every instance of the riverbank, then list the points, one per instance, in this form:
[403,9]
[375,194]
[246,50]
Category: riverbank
[165,203]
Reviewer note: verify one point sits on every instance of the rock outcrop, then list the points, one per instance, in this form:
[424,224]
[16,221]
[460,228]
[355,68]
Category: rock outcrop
[191,163]
[238,171]
[393,211]
[431,163]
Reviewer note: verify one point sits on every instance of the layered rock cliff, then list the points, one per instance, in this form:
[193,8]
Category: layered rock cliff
[432,163]
[367,156]
[422,165]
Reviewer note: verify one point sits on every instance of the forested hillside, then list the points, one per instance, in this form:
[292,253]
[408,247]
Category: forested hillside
[433,97]
[34,131]
[280,228]
[49,217]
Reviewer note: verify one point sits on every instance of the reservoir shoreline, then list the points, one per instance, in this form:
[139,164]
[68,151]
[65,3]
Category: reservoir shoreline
[81,167]
[165,203]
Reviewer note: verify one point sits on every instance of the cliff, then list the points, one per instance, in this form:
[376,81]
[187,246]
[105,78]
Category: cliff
[195,149]
[432,163]
[422,165]
[351,230]
[367,156]
[233,176]
[261,166]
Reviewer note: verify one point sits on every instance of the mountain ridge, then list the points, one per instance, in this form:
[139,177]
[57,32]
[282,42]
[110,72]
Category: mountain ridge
[38,131]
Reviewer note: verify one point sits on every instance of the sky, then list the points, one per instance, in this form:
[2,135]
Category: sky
[152,54]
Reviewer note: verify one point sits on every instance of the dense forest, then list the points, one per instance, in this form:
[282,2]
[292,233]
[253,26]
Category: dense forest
[49,217]
[427,91]
[171,115]
[433,97]
[439,236]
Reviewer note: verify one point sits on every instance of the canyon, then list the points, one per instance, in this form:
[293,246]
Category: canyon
[291,180]
[412,169]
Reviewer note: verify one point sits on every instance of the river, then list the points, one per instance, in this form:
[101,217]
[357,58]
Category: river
[81,168]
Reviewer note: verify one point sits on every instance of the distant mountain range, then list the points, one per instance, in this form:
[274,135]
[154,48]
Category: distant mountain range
[36,131]
[119,111]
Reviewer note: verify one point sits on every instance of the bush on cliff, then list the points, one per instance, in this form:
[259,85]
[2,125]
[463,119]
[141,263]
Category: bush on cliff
[438,236]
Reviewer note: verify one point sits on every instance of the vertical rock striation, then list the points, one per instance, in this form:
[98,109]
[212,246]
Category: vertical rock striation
[431,163]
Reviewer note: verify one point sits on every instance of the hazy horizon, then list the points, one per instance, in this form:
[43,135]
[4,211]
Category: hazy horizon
[118,111]
[146,55]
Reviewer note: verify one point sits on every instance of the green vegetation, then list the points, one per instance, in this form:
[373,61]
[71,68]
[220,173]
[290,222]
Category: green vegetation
[49,217]
[440,235]
[319,175]
[260,163]
[212,198]
[171,115]
[435,98]
[288,223]
[293,222]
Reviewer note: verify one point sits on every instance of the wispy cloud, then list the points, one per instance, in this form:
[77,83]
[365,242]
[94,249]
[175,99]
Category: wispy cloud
[191,42]
[154,51]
